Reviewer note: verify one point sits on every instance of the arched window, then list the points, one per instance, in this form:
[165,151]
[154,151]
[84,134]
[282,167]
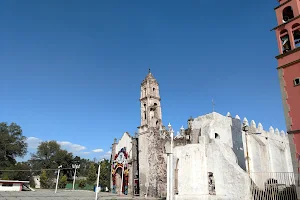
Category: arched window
[296,34]
[287,14]
[285,41]
[153,89]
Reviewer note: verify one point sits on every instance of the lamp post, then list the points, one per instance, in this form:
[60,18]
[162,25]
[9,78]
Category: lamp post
[169,164]
[57,177]
[98,178]
[246,129]
[76,166]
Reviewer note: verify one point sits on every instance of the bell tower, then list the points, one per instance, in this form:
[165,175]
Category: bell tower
[288,41]
[152,162]
[150,104]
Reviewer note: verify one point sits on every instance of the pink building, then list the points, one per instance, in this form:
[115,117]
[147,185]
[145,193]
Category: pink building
[288,39]
[9,185]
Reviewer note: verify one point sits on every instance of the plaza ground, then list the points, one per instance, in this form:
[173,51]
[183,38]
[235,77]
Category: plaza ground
[61,195]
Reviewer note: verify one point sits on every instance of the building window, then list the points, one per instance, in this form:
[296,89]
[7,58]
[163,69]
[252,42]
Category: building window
[7,184]
[287,14]
[285,41]
[296,34]
[153,89]
[217,136]
[297,81]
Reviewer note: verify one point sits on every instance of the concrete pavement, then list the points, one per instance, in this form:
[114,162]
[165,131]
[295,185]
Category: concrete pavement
[42,194]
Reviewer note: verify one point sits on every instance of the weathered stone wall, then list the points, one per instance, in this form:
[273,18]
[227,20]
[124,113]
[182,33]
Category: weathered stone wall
[135,169]
[152,164]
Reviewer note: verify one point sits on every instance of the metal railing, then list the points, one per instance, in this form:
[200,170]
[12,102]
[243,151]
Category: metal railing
[273,186]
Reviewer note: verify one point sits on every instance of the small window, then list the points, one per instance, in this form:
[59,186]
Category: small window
[297,81]
[287,14]
[153,89]
[7,184]
[217,136]
[155,104]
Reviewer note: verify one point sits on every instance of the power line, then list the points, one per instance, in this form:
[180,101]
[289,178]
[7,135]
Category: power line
[28,170]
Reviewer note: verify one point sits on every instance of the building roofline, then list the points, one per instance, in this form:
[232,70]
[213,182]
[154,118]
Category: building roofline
[13,181]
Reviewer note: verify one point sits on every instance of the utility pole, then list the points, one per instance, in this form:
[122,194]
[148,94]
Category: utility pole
[76,166]
[57,177]
[98,178]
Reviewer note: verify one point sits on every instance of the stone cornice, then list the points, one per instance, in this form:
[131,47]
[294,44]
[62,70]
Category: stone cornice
[158,98]
[287,53]
[289,64]
[285,23]
[293,132]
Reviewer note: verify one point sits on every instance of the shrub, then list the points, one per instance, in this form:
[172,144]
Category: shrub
[63,181]
[82,183]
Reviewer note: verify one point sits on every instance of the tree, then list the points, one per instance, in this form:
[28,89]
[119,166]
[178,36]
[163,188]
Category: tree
[49,155]
[12,144]
[62,181]
[104,179]
[15,174]
[92,176]
[44,180]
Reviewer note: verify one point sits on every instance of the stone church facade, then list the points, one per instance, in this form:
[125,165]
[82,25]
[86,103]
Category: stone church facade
[213,158]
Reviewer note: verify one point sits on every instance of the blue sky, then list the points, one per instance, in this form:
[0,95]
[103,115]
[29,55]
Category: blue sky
[71,70]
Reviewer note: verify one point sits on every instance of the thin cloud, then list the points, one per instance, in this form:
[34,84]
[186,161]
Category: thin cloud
[33,142]
[97,150]
[71,147]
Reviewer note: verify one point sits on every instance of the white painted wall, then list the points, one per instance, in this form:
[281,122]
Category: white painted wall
[37,181]
[15,187]
[125,141]
[196,160]
[225,157]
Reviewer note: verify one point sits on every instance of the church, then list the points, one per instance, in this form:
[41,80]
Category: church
[215,157]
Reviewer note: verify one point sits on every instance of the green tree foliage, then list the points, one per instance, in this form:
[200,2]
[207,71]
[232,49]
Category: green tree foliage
[15,174]
[12,144]
[62,181]
[44,180]
[92,175]
[49,155]
[82,183]
[104,179]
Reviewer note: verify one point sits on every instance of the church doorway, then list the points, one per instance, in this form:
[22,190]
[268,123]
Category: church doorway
[119,181]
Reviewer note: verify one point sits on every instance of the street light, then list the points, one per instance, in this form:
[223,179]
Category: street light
[98,178]
[57,177]
[76,166]
[246,129]
[169,164]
